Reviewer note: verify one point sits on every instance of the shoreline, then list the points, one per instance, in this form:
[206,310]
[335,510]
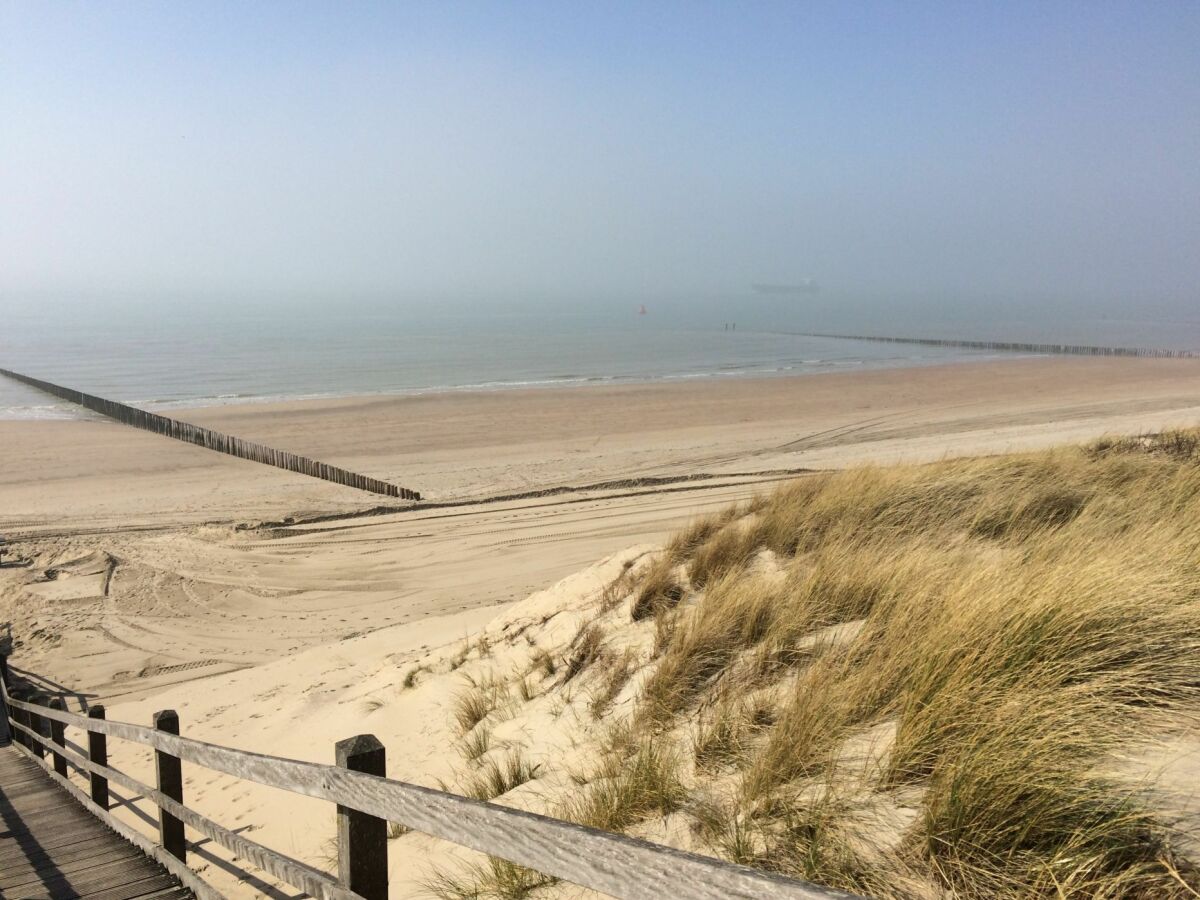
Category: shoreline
[673,383]
[566,382]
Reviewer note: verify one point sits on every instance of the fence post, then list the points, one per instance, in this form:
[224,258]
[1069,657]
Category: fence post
[56,736]
[98,753]
[170,782]
[43,699]
[20,717]
[362,838]
[36,726]
[6,733]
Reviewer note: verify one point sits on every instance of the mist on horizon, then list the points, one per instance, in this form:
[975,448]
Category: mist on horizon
[936,163]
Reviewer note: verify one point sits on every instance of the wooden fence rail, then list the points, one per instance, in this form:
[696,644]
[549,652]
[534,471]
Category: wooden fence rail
[614,864]
[215,440]
[1069,349]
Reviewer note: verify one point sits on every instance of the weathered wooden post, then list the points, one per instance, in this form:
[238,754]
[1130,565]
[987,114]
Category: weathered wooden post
[19,717]
[6,733]
[98,753]
[170,782]
[362,838]
[36,726]
[56,736]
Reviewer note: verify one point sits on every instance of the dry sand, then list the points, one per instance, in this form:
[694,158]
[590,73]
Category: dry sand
[272,637]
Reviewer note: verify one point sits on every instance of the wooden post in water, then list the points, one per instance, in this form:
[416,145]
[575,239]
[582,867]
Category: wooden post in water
[362,839]
[204,437]
[98,753]
[170,782]
[56,737]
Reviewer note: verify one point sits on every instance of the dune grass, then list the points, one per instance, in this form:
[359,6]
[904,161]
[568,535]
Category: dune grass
[476,743]
[618,669]
[1021,620]
[637,777]
[495,779]
[586,647]
[916,681]
[496,878]
[477,701]
[659,591]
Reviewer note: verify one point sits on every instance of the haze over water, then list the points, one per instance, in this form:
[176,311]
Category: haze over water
[220,202]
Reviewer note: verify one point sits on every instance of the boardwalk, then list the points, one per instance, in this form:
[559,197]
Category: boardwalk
[52,848]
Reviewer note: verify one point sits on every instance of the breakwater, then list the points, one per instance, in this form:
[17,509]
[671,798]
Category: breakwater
[215,440]
[1016,347]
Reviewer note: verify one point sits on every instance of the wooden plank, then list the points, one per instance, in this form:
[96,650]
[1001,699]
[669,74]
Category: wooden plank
[64,864]
[126,858]
[35,846]
[56,832]
[127,891]
[108,881]
[18,855]
[19,758]
[138,890]
[169,894]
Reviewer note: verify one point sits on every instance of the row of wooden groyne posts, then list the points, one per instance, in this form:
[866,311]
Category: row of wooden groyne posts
[367,801]
[215,440]
[1016,347]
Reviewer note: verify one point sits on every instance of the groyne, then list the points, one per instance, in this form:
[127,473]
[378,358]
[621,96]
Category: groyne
[1015,346]
[215,440]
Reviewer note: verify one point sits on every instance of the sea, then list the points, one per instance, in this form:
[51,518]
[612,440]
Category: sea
[168,360]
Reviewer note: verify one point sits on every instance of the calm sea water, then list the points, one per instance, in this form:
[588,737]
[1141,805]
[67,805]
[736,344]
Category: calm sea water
[162,363]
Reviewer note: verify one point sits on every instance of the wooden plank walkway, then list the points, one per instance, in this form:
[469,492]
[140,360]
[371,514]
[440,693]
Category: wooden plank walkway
[51,848]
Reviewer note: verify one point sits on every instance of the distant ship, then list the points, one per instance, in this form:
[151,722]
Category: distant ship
[642,311]
[807,286]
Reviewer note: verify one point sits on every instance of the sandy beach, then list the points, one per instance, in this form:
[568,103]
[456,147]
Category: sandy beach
[454,446]
[157,548]
[266,607]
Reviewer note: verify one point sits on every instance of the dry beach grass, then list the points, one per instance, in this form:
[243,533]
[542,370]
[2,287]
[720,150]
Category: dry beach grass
[916,681]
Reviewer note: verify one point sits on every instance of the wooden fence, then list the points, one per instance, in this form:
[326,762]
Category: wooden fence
[215,440]
[366,801]
[1012,346]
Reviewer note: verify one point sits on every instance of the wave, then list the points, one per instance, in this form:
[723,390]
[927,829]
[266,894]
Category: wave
[49,411]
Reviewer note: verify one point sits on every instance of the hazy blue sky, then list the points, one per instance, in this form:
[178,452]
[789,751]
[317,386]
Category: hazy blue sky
[600,151]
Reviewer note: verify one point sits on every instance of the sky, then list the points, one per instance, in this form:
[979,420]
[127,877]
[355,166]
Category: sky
[407,153]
